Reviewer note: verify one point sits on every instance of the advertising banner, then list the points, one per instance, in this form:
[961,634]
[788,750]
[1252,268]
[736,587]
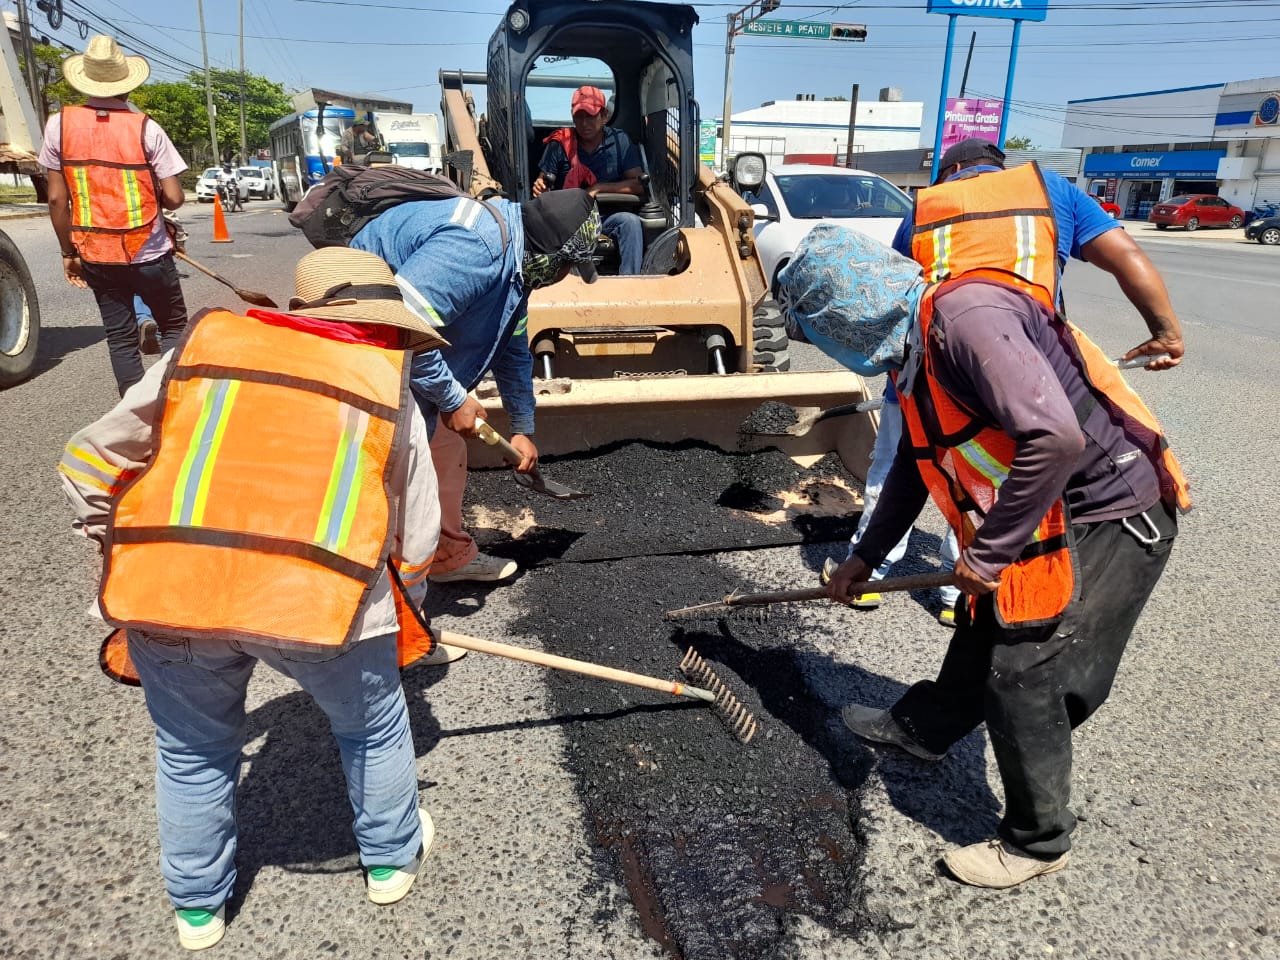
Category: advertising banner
[707,142]
[1002,9]
[971,118]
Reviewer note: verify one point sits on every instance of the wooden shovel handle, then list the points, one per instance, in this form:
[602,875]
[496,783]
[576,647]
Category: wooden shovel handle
[919,581]
[673,687]
[494,439]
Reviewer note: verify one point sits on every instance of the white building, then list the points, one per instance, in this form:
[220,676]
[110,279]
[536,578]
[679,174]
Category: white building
[817,131]
[1144,147]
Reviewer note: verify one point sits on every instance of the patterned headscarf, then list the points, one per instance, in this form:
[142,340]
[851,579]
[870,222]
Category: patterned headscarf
[852,297]
[561,227]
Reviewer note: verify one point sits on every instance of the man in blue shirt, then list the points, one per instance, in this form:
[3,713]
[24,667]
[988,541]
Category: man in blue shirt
[466,267]
[1085,232]
[598,159]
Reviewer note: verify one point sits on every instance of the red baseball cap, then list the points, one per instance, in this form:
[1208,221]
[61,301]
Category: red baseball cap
[588,99]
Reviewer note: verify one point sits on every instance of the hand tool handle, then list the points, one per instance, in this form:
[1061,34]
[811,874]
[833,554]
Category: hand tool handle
[672,687]
[919,581]
[494,439]
[203,269]
[1137,362]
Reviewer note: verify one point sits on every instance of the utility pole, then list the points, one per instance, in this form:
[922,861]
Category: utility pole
[964,78]
[208,89]
[853,120]
[29,59]
[244,148]
[737,20]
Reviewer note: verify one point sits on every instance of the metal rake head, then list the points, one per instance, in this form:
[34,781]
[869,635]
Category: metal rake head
[728,707]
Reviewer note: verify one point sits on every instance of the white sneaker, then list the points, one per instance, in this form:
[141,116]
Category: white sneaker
[441,654]
[483,569]
[198,929]
[387,885]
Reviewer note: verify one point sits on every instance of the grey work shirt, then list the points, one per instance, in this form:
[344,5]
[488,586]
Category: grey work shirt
[999,355]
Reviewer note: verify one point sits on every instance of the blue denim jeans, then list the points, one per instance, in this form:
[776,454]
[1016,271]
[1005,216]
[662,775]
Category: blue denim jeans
[882,455]
[628,233]
[195,691]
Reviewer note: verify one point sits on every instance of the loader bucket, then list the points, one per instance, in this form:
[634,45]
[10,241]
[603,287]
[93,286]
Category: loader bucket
[577,416]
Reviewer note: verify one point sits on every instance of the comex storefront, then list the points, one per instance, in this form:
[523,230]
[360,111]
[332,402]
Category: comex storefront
[1137,181]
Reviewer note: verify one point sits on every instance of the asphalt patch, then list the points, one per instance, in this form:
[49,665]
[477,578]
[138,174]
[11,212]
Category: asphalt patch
[717,842]
[654,499]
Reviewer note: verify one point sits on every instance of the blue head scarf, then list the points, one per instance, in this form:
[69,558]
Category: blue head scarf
[852,297]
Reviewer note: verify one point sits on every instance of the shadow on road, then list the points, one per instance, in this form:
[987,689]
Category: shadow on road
[57,343]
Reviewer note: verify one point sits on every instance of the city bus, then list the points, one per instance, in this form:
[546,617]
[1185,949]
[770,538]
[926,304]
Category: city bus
[303,146]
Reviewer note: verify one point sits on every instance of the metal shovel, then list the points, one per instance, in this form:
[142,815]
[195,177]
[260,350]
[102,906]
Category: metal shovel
[533,480]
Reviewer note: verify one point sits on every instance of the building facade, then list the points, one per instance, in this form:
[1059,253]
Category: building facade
[1141,148]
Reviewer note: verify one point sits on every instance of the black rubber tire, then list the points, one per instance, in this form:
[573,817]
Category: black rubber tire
[1270,237]
[1236,223]
[660,258]
[770,343]
[1193,224]
[19,316]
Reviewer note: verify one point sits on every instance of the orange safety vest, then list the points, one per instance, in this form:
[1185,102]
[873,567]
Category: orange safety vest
[998,226]
[964,462]
[113,190]
[265,512]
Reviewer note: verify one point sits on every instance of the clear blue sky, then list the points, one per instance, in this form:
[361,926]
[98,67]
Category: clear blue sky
[1085,48]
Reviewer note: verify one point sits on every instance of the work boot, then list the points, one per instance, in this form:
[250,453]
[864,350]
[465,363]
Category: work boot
[878,726]
[149,337]
[198,929]
[997,864]
[387,885]
[483,569]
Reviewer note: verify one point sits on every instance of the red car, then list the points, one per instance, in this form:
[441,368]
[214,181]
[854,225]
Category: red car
[1112,209]
[1195,210]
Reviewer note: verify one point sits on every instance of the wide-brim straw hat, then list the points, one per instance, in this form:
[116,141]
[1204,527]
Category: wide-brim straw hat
[338,283]
[103,70]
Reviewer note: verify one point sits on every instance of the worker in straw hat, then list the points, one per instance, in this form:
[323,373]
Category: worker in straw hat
[266,494]
[119,171]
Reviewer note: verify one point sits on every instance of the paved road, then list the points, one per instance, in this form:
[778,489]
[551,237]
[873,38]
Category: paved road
[1176,854]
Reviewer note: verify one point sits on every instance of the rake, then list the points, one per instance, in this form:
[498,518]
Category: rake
[727,707]
[734,602]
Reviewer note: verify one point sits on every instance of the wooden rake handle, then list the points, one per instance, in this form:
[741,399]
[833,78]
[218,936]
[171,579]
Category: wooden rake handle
[919,581]
[673,687]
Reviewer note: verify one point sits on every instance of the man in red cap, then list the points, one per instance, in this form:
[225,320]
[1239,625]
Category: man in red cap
[599,159]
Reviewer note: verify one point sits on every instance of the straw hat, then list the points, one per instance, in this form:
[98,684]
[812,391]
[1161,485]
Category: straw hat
[337,283]
[103,70]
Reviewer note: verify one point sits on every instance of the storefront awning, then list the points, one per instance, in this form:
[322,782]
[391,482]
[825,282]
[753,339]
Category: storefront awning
[1179,164]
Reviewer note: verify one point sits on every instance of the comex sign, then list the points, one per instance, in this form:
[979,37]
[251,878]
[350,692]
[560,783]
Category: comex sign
[1002,9]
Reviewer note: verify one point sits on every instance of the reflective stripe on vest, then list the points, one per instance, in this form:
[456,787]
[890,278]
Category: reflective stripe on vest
[997,224]
[964,462]
[266,511]
[113,190]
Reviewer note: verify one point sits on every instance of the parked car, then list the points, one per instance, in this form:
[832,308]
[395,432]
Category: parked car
[1195,210]
[1266,230]
[801,195]
[262,184]
[1112,209]
[207,185]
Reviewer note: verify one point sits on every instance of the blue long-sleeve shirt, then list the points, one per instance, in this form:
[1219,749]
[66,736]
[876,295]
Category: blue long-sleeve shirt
[451,266]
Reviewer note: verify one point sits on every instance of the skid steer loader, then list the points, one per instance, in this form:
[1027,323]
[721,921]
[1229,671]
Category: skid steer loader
[691,348]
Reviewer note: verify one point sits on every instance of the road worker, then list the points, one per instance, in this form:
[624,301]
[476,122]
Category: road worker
[266,493]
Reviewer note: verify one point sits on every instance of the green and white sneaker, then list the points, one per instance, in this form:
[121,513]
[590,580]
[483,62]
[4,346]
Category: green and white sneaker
[391,884]
[198,929]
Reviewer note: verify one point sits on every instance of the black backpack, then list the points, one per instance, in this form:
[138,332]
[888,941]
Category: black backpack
[350,195]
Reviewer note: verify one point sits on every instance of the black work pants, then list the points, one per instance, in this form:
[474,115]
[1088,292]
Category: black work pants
[114,286]
[1034,686]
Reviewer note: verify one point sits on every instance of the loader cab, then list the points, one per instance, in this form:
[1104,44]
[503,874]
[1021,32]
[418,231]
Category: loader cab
[639,54]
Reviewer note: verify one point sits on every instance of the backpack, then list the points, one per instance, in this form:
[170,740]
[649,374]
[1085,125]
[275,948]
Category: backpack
[334,210]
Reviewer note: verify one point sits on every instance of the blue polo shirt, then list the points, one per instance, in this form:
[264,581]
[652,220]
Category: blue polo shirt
[609,161]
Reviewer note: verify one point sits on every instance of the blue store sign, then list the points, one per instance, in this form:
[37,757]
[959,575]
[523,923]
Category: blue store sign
[1180,164]
[1003,9]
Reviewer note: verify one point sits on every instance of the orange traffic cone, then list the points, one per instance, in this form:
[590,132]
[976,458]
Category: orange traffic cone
[220,234]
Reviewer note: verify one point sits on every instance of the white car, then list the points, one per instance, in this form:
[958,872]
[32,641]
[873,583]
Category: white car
[262,184]
[800,195]
[207,185]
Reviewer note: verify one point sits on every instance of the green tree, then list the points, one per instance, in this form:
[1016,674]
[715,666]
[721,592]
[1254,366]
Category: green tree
[1018,143]
[55,92]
